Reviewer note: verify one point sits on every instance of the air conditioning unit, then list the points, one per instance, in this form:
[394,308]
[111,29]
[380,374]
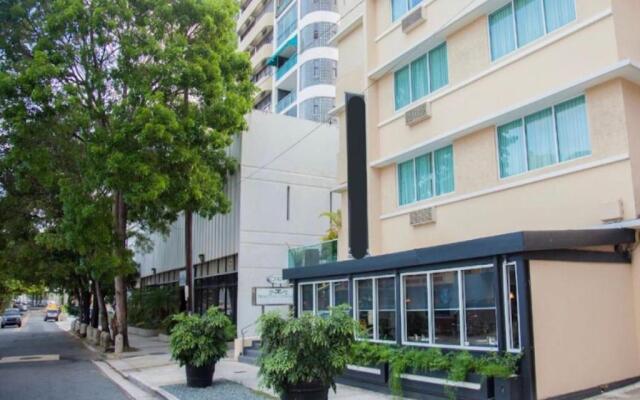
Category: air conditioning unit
[418,114]
[421,217]
[412,20]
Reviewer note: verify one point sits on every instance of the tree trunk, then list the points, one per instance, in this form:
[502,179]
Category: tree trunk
[104,317]
[94,305]
[120,216]
[85,306]
[188,249]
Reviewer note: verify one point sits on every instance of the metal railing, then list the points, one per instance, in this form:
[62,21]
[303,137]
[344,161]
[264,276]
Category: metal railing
[315,254]
[285,102]
[282,6]
[286,66]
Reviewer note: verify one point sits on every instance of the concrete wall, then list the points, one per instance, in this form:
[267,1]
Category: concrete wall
[309,170]
[585,331]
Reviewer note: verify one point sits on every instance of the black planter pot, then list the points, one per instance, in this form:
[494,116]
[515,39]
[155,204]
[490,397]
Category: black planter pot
[306,391]
[508,388]
[200,376]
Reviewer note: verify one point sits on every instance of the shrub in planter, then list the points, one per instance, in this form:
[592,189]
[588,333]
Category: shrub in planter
[198,342]
[301,357]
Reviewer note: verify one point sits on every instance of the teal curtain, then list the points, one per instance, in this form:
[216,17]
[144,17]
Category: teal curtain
[419,83]
[443,160]
[406,182]
[529,22]
[402,90]
[511,149]
[438,67]
[424,177]
[501,30]
[398,8]
[559,13]
[541,143]
[571,125]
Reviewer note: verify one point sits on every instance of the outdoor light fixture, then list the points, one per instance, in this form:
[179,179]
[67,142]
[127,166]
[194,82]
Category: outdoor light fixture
[201,257]
[153,270]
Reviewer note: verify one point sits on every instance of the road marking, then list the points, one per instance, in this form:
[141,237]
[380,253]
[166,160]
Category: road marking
[31,358]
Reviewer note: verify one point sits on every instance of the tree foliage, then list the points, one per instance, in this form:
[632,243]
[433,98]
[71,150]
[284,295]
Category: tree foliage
[115,116]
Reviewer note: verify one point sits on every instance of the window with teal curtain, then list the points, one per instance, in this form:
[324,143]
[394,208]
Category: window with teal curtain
[443,160]
[424,177]
[511,149]
[559,13]
[419,83]
[571,125]
[529,20]
[501,32]
[438,67]
[398,8]
[541,141]
[406,182]
[402,87]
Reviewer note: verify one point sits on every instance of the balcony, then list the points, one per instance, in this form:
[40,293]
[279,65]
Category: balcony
[286,66]
[282,5]
[285,102]
[261,27]
[316,254]
[261,53]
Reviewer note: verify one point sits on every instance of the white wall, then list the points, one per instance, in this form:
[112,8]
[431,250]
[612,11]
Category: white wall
[309,169]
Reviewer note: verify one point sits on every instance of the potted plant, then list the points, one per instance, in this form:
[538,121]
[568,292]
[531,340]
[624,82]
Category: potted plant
[301,357]
[198,342]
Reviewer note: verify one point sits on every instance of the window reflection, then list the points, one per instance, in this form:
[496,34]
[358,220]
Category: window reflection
[446,305]
[480,307]
[386,308]
[365,307]
[416,309]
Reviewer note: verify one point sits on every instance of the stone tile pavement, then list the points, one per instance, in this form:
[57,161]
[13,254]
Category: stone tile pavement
[150,368]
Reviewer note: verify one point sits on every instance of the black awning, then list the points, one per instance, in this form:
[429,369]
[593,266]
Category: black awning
[509,243]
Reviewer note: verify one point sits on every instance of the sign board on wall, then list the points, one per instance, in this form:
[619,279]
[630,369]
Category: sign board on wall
[182,278]
[272,296]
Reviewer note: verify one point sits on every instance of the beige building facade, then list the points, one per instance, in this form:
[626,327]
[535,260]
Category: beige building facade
[489,121]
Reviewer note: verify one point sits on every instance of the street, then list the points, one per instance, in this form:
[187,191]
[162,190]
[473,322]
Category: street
[66,372]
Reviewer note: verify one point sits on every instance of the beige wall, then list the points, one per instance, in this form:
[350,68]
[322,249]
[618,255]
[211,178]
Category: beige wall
[632,115]
[583,325]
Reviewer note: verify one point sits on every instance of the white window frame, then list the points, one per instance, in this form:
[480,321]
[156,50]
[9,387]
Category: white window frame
[515,28]
[524,141]
[462,316]
[409,10]
[375,310]
[314,286]
[507,307]
[429,90]
[433,181]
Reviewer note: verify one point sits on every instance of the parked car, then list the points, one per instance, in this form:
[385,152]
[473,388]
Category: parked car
[52,314]
[11,316]
[23,307]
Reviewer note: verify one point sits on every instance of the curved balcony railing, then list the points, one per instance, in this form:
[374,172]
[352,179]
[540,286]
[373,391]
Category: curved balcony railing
[316,35]
[285,102]
[308,6]
[286,66]
[316,254]
[319,71]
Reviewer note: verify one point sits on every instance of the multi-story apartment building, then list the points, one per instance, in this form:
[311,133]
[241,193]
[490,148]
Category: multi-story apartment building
[502,184]
[276,197]
[295,67]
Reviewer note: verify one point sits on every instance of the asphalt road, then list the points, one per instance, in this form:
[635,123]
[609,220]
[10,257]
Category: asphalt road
[72,376]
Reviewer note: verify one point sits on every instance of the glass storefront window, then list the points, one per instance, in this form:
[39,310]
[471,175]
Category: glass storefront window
[511,312]
[386,289]
[364,293]
[307,298]
[446,306]
[416,309]
[341,293]
[323,298]
[480,307]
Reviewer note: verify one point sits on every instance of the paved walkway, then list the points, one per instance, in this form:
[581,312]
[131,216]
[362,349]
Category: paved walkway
[625,393]
[150,367]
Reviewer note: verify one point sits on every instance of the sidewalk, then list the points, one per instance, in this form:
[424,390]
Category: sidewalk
[150,368]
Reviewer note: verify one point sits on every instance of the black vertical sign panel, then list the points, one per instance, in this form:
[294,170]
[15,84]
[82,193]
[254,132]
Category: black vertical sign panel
[357,175]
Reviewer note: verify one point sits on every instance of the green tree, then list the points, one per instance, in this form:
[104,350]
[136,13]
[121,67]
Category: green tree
[142,96]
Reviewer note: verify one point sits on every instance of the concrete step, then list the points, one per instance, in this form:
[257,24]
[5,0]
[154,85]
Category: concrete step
[248,360]
[249,352]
